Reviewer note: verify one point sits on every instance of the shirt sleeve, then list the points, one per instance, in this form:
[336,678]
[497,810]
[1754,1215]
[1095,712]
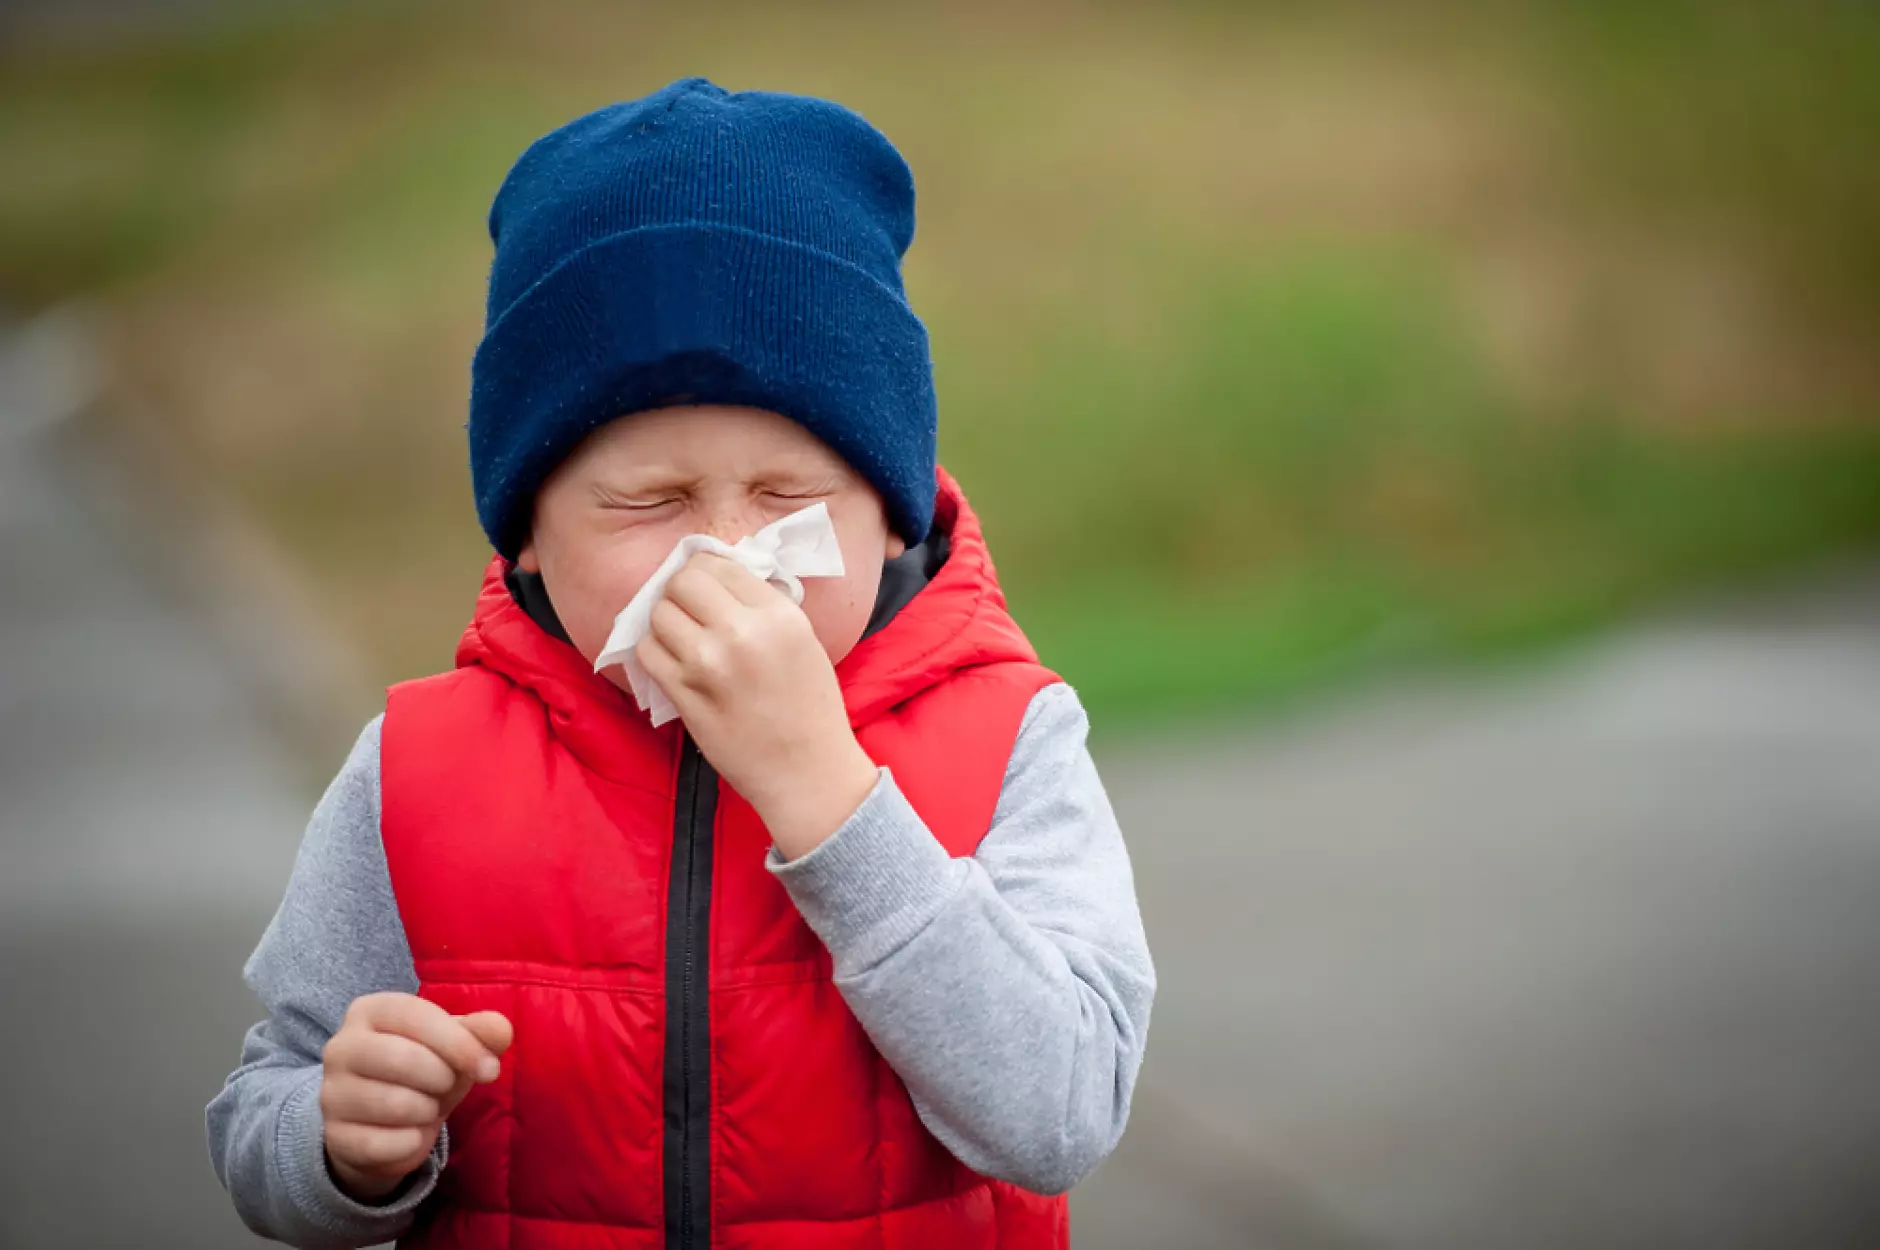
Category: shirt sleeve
[1010,991]
[336,936]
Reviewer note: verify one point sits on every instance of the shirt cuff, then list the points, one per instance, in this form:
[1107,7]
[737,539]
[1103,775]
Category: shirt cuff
[300,1158]
[873,884]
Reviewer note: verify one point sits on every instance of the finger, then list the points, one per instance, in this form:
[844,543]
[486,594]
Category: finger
[492,1028]
[362,1101]
[458,1092]
[745,586]
[495,1031]
[401,1061]
[701,592]
[662,666]
[371,1148]
[676,629]
[431,1026]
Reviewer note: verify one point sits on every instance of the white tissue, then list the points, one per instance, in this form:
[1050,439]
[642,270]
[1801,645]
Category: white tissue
[801,545]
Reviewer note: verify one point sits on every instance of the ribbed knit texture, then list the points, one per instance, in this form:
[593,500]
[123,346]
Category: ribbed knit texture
[882,881]
[702,246]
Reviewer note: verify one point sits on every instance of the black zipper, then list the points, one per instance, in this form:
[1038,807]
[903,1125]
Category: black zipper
[688,1013]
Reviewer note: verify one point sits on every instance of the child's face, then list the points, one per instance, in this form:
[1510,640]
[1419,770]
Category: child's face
[613,510]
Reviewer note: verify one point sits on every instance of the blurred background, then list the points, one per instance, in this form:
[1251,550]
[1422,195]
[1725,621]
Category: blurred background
[1441,442]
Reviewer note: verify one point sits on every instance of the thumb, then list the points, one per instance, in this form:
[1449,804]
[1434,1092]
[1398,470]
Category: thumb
[492,1028]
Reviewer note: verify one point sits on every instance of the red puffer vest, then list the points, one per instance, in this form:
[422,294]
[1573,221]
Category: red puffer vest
[685,1073]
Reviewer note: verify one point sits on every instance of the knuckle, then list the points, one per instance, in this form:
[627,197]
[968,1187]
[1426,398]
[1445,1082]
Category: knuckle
[710,662]
[386,1057]
[431,1071]
[382,1058]
[343,1139]
[337,1054]
[371,1012]
[787,618]
[381,1146]
[364,1050]
[456,1047]
[744,632]
[401,1105]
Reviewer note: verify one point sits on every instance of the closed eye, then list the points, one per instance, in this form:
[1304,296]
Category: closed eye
[798,489]
[638,505]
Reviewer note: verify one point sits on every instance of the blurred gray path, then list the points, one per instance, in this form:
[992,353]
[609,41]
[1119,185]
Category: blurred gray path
[147,823]
[1587,957]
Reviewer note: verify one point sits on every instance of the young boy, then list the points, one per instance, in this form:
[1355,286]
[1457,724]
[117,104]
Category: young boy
[850,956]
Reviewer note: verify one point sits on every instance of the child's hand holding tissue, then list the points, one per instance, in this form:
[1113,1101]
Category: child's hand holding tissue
[740,664]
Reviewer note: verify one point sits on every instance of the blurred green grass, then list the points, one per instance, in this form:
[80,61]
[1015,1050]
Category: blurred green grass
[1224,303]
[1327,483]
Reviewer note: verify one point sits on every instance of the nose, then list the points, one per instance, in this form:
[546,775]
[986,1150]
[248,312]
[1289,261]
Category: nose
[730,522]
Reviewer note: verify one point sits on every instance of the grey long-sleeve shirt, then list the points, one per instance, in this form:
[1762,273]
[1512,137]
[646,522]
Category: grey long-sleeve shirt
[1010,991]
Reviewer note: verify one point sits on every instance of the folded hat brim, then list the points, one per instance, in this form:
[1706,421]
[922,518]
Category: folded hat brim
[702,314]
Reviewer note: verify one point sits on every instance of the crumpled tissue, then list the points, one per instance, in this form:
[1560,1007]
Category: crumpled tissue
[784,552]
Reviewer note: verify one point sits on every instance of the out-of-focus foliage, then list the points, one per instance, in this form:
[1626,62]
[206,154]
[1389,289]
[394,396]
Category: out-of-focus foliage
[1270,342]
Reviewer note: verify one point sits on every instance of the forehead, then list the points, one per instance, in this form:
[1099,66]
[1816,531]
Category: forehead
[707,441]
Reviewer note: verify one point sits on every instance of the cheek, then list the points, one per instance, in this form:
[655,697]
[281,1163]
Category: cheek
[590,585]
[838,607]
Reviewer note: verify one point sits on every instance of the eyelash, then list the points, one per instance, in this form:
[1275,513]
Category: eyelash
[622,505]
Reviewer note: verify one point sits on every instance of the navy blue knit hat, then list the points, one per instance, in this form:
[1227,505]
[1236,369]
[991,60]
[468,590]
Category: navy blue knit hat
[702,246]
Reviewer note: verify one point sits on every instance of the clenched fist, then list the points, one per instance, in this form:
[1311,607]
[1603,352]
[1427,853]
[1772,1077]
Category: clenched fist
[397,1067]
[758,694]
